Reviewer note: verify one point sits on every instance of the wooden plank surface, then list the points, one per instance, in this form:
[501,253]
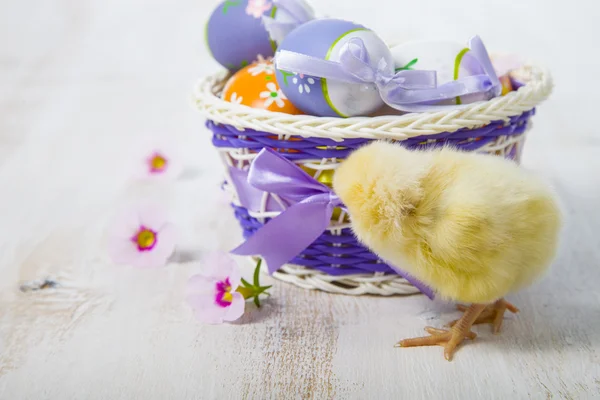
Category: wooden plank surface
[84,84]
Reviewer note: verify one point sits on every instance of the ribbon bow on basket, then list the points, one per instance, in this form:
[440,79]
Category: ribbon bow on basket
[406,90]
[308,215]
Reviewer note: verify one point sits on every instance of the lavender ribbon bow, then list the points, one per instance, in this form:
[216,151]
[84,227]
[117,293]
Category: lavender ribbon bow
[278,30]
[406,90]
[292,231]
[309,211]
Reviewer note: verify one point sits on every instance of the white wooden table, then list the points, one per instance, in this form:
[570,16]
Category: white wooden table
[83,84]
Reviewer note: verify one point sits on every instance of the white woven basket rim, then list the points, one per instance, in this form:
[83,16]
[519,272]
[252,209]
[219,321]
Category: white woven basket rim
[537,88]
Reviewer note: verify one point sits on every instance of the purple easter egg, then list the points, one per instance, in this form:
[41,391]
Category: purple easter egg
[235,33]
[324,39]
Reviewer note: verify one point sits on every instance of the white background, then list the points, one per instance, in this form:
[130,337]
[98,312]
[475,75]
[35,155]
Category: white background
[84,85]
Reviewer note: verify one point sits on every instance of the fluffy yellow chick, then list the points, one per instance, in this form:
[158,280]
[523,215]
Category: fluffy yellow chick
[473,227]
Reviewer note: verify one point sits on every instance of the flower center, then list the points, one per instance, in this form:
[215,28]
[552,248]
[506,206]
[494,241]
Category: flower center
[273,94]
[224,296]
[227,296]
[145,239]
[158,163]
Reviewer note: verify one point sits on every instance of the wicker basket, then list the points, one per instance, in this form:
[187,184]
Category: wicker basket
[336,262]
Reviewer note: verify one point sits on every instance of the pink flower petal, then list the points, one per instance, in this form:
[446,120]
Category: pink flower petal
[128,223]
[201,301]
[206,311]
[200,285]
[163,147]
[122,250]
[236,309]
[152,216]
[201,296]
[235,277]
[125,224]
[209,316]
[166,241]
[220,266]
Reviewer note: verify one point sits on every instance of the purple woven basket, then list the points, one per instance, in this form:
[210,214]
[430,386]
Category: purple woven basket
[336,262]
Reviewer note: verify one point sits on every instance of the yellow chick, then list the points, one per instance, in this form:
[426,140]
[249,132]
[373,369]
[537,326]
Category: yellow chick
[473,227]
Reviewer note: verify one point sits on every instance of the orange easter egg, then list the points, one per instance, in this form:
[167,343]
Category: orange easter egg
[255,86]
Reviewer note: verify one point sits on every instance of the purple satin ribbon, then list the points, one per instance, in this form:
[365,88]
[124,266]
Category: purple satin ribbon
[406,90]
[310,205]
[278,30]
[480,53]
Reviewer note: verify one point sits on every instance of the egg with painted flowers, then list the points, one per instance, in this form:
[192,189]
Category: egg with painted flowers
[255,86]
[237,35]
[324,39]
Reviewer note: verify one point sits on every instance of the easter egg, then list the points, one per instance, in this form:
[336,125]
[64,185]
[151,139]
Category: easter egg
[507,85]
[255,86]
[385,111]
[235,34]
[506,66]
[450,60]
[324,39]
[326,178]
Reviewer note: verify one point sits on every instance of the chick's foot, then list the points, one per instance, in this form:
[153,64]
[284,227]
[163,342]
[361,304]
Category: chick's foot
[492,314]
[449,339]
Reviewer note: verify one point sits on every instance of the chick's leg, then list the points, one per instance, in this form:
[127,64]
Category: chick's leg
[450,339]
[493,314]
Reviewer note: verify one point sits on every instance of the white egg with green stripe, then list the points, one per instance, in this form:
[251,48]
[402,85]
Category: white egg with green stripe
[450,60]
[324,39]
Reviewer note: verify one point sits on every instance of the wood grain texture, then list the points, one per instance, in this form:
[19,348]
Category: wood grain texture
[85,85]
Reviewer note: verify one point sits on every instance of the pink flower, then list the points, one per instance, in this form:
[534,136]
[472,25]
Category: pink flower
[257,8]
[142,237]
[213,294]
[159,161]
